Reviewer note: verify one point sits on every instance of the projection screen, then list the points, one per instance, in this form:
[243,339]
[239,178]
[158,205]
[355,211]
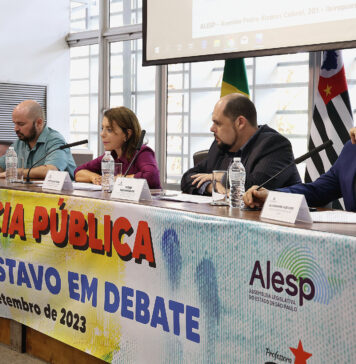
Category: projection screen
[194,30]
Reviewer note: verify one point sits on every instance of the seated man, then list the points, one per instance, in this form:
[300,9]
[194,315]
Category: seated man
[263,150]
[37,140]
[338,181]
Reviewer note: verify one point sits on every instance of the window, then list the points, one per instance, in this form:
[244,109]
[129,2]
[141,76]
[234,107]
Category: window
[84,95]
[133,85]
[281,97]
[84,15]
[122,69]
[124,12]
[193,89]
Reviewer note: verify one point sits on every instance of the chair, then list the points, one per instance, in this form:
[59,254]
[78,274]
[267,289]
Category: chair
[199,156]
[4,146]
[82,156]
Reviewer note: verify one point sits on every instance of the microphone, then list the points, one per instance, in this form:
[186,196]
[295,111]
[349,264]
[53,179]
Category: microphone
[318,149]
[138,147]
[302,158]
[70,145]
[65,146]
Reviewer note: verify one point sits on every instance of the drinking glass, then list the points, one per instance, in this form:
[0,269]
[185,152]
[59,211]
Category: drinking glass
[20,169]
[219,190]
[118,170]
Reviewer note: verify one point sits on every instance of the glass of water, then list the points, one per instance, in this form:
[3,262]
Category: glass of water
[20,169]
[219,188]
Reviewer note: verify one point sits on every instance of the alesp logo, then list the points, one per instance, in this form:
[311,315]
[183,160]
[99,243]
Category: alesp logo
[301,287]
[305,279]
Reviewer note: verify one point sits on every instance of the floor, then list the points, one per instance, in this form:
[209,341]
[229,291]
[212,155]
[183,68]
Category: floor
[8,356]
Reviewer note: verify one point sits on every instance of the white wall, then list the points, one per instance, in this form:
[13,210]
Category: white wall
[33,50]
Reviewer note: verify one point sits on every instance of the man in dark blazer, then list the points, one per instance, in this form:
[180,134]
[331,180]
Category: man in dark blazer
[263,151]
[338,181]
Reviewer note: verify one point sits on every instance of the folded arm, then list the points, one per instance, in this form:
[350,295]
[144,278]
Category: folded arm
[195,177]
[40,171]
[36,172]
[84,175]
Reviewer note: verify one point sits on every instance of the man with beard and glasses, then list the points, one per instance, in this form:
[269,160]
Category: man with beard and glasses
[35,141]
[263,151]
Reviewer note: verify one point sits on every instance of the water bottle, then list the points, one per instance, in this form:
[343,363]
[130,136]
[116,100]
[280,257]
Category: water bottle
[237,176]
[11,165]
[107,172]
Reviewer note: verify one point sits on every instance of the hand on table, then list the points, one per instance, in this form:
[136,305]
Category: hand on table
[201,178]
[96,180]
[254,198]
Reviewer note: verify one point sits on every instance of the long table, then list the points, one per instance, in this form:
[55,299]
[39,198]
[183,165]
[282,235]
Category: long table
[163,281]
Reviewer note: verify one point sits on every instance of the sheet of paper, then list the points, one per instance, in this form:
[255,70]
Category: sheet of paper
[40,183]
[334,216]
[86,186]
[184,197]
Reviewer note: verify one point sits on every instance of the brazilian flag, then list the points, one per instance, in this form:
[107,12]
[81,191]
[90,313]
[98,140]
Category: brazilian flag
[234,78]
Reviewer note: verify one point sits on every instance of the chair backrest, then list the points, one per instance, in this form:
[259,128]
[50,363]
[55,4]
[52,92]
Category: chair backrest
[80,157]
[199,156]
[4,146]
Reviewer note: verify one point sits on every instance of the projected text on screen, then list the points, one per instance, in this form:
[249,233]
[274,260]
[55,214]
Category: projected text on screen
[211,18]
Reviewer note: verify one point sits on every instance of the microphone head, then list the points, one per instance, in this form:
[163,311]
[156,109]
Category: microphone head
[328,143]
[313,151]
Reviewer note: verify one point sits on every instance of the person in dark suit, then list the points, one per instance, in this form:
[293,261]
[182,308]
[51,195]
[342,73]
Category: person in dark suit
[263,150]
[338,181]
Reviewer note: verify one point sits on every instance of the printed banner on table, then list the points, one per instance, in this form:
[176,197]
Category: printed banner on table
[138,284]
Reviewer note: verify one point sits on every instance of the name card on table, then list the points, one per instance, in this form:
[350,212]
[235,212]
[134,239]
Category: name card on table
[57,181]
[131,189]
[286,207]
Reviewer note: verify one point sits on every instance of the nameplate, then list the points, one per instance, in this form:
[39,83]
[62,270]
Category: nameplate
[286,207]
[57,181]
[131,189]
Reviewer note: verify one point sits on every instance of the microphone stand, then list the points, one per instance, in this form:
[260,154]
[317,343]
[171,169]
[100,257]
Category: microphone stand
[299,160]
[41,159]
[65,146]
[138,147]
